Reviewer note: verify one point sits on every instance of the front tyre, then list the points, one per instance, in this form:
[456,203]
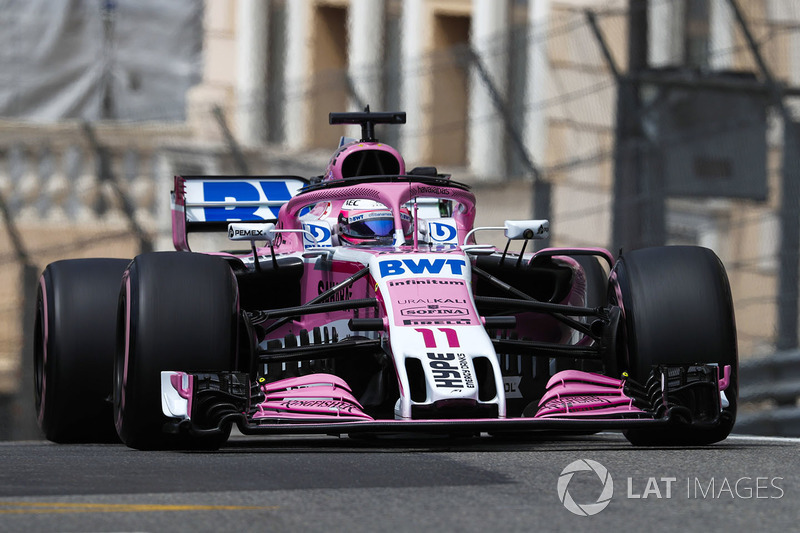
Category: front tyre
[177,311]
[677,309]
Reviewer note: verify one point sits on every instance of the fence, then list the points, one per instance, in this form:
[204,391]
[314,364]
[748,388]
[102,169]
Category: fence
[66,194]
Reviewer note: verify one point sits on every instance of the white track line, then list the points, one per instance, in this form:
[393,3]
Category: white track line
[752,438]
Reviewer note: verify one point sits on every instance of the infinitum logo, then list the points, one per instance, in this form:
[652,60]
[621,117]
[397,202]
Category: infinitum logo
[585,509]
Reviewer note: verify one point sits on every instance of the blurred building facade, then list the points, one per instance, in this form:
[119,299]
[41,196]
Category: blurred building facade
[279,67]
[497,93]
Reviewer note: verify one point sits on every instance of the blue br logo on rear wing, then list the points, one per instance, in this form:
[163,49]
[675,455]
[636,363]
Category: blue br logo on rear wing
[208,203]
[238,200]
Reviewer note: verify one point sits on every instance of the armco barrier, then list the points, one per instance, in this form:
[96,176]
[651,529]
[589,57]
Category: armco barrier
[768,392]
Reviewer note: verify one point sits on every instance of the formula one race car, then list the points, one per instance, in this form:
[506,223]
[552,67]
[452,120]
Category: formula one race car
[363,304]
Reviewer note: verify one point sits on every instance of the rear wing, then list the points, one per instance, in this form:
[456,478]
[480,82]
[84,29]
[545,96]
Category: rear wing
[209,203]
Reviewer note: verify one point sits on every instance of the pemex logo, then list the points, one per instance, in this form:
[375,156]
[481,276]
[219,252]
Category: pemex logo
[585,509]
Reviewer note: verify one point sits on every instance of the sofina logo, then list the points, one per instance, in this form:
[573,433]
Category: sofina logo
[585,509]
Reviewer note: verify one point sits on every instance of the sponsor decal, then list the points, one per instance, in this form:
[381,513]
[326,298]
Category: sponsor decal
[345,293]
[425,282]
[396,267]
[330,404]
[441,232]
[463,364]
[320,231]
[440,322]
[435,310]
[425,189]
[450,370]
[511,386]
[243,191]
[239,232]
[433,301]
[380,215]
[577,403]
[363,204]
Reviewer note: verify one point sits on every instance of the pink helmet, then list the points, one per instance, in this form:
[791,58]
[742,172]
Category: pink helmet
[370,222]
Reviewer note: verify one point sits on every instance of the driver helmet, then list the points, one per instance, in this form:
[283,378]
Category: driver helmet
[370,222]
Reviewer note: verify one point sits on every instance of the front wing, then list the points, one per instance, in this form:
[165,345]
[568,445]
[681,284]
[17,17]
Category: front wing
[575,402]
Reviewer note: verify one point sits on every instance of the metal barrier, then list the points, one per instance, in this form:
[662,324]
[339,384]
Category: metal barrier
[768,391]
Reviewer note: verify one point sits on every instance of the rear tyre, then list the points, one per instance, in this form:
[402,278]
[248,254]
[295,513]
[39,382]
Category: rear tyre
[73,354]
[677,310]
[177,311]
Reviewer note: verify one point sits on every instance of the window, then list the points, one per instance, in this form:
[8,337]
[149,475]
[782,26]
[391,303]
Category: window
[697,33]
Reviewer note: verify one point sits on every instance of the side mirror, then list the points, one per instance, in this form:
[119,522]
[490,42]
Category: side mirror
[527,229]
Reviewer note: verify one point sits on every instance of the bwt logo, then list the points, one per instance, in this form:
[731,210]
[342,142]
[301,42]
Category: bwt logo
[441,232]
[396,267]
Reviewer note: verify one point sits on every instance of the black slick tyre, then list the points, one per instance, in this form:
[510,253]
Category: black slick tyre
[677,310]
[74,344]
[177,311]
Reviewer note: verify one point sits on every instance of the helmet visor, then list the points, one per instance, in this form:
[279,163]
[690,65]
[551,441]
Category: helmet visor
[376,227]
[374,224]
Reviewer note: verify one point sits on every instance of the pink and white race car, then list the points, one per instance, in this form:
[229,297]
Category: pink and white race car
[364,303]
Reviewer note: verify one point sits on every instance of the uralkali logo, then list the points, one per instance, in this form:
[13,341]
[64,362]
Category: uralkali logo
[585,509]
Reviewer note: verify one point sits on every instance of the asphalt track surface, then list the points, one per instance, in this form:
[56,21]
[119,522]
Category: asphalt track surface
[330,484]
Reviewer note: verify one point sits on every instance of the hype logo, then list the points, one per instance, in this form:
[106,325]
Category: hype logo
[442,232]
